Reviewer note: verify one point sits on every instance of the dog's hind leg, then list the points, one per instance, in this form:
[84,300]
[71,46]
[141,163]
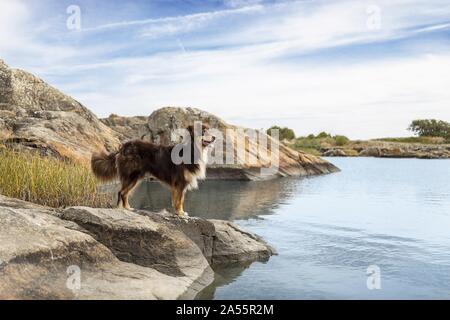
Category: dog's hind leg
[127,187]
[119,200]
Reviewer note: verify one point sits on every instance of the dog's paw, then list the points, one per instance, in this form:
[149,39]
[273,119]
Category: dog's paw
[183,215]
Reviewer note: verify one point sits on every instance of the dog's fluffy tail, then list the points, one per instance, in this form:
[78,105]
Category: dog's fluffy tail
[104,165]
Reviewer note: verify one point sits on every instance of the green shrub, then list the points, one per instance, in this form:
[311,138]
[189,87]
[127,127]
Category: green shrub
[313,144]
[341,140]
[284,133]
[306,143]
[48,181]
[323,135]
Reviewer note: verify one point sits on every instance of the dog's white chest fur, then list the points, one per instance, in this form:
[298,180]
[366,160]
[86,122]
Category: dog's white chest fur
[193,178]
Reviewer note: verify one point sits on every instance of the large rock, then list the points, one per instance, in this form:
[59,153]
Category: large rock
[34,115]
[38,252]
[370,152]
[334,152]
[162,123]
[118,254]
[144,238]
[128,128]
[232,244]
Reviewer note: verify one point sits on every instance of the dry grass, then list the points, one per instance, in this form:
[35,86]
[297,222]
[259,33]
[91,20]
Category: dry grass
[48,181]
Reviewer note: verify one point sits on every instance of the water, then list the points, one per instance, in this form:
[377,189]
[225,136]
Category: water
[392,213]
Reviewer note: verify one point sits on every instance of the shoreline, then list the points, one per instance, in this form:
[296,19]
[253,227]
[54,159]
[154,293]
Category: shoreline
[386,149]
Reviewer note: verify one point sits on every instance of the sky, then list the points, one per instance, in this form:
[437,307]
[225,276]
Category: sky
[364,69]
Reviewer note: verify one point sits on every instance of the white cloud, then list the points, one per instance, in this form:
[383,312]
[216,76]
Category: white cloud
[13,16]
[361,100]
[21,40]
[245,76]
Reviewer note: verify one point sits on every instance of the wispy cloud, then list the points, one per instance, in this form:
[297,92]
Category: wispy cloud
[178,22]
[312,65]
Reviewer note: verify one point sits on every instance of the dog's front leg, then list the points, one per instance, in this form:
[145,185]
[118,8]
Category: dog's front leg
[181,204]
[178,201]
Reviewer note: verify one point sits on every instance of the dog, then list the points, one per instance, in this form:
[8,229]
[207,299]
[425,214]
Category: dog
[137,158]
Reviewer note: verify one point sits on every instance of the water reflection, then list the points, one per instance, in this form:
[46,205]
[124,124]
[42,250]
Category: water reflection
[220,199]
[393,213]
[223,275]
[225,200]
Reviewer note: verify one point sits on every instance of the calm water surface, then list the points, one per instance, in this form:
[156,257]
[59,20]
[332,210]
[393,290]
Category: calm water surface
[392,213]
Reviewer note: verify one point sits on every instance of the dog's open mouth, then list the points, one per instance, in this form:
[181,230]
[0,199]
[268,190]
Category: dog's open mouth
[206,143]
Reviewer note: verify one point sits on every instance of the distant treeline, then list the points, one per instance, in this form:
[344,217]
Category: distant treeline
[426,131]
[431,128]
[421,128]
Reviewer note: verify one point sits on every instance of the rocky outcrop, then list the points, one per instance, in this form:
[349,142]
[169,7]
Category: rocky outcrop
[34,115]
[246,166]
[382,149]
[162,123]
[86,253]
[128,128]
[232,244]
[162,230]
[334,153]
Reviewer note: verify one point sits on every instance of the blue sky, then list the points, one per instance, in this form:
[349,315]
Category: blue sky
[360,68]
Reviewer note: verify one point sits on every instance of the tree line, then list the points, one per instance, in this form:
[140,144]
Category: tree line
[421,128]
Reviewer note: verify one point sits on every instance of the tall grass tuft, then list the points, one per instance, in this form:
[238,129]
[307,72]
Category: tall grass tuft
[48,181]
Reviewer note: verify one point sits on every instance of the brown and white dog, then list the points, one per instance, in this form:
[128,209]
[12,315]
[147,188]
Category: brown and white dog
[137,158]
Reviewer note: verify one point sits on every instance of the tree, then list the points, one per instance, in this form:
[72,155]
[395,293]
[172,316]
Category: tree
[284,133]
[430,128]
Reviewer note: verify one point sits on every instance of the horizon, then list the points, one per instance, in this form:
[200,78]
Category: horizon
[364,70]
